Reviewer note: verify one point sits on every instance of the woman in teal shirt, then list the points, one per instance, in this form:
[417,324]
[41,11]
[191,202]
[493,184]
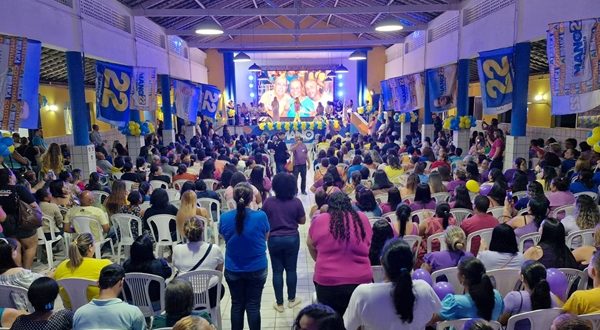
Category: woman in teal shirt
[481,299]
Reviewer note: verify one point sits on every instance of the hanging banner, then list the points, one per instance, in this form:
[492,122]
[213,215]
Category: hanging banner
[30,110]
[496,74]
[408,92]
[113,91]
[187,98]
[442,85]
[13,61]
[573,61]
[144,89]
[387,102]
[210,100]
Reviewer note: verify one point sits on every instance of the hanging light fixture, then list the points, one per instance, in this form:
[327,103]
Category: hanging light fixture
[328,79]
[341,69]
[209,28]
[254,68]
[358,55]
[389,24]
[331,74]
[263,77]
[241,57]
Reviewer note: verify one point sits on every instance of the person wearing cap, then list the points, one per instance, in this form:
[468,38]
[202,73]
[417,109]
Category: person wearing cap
[108,311]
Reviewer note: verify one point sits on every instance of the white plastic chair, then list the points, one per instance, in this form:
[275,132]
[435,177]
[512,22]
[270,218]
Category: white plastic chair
[421,215]
[76,289]
[484,234]
[415,243]
[460,214]
[564,210]
[156,184]
[441,237]
[539,319]
[594,318]
[534,237]
[200,280]
[176,203]
[506,279]
[47,244]
[378,274]
[89,225]
[126,236]
[451,277]
[586,237]
[222,199]
[173,194]
[14,297]
[460,323]
[163,232]
[441,197]
[208,204]
[129,185]
[372,220]
[497,212]
[179,183]
[572,276]
[589,193]
[136,291]
[211,184]
[390,217]
[99,196]
[144,206]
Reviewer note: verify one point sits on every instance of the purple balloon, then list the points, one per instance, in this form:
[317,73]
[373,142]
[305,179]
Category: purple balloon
[422,274]
[485,189]
[559,284]
[442,289]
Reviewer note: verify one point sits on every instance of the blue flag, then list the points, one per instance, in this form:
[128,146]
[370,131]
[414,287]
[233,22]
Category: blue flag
[210,100]
[113,92]
[496,74]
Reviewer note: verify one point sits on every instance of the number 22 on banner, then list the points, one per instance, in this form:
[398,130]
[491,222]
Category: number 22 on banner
[496,74]
[121,103]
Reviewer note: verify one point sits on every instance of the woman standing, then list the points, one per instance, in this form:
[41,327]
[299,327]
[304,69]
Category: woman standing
[340,239]
[245,232]
[285,212]
[497,151]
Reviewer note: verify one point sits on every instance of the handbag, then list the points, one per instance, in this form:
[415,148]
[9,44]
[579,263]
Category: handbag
[30,218]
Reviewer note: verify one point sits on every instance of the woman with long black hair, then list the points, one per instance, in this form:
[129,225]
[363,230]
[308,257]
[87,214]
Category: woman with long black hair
[260,181]
[552,250]
[412,305]
[382,232]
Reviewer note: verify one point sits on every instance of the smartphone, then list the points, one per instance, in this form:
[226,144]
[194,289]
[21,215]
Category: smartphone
[509,195]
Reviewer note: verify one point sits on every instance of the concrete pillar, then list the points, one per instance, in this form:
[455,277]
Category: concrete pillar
[134,144]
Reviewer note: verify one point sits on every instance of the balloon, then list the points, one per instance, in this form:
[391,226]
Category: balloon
[596,131]
[7,141]
[4,150]
[472,186]
[442,289]
[485,189]
[591,140]
[558,282]
[597,148]
[11,149]
[422,274]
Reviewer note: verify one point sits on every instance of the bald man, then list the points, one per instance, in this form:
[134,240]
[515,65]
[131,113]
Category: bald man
[88,210]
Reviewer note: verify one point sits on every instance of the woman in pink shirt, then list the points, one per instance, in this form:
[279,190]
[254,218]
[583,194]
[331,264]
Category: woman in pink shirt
[559,194]
[497,151]
[339,243]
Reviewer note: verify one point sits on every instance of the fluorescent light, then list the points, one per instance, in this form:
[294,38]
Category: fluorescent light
[254,68]
[341,69]
[241,57]
[357,55]
[209,28]
[389,24]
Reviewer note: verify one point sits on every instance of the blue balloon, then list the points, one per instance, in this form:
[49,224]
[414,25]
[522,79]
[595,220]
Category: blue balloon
[7,141]
[4,152]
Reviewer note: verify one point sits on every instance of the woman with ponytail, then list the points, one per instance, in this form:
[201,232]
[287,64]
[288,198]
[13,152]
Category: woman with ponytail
[412,303]
[245,232]
[404,225]
[81,264]
[456,242]
[536,295]
[434,225]
[480,300]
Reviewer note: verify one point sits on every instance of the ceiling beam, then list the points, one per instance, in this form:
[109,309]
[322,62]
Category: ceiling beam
[299,44]
[300,31]
[291,11]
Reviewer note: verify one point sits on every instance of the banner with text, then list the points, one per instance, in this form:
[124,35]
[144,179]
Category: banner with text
[113,92]
[386,96]
[187,98]
[209,101]
[574,59]
[496,74]
[144,89]
[19,82]
[442,85]
[405,93]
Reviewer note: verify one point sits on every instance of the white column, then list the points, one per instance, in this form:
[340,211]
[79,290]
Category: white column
[84,158]
[168,136]
[189,132]
[134,144]
[460,139]
[516,146]
[427,131]
[404,130]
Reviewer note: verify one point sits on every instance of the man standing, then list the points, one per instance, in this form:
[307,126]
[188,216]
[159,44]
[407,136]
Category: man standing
[281,154]
[95,136]
[300,153]
[438,125]
[108,311]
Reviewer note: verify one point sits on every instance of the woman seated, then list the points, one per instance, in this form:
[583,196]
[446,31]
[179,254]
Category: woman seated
[159,204]
[584,183]
[412,303]
[531,221]
[393,200]
[404,225]
[410,188]
[559,194]
[480,300]
[235,179]
[81,264]
[50,210]
[435,183]
[365,202]
[320,204]
[442,161]
[61,195]
[586,216]
[503,251]
[188,209]
[156,173]
[142,260]
[11,273]
[548,174]
[320,172]
[423,200]
[381,183]
[583,255]
[436,224]
[497,195]
[318,316]
[382,232]
[197,254]
[462,198]
[456,242]
[393,169]
[355,166]
[328,185]
[552,251]
[41,294]
[179,303]
[355,184]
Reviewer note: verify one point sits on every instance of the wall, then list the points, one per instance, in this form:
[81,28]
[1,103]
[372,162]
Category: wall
[375,69]
[214,68]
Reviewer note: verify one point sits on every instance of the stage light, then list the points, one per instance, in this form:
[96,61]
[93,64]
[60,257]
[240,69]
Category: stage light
[357,55]
[341,69]
[251,85]
[389,24]
[254,68]
[340,76]
[252,94]
[250,77]
[340,93]
[209,28]
[340,84]
[241,57]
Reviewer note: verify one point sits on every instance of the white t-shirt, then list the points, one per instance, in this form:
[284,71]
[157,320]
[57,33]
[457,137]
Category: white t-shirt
[186,256]
[372,307]
[496,260]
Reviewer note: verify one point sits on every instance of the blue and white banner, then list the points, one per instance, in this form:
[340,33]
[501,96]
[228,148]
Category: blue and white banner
[144,89]
[113,91]
[187,98]
[573,57]
[403,94]
[210,100]
[19,82]
[387,103]
[496,74]
[442,85]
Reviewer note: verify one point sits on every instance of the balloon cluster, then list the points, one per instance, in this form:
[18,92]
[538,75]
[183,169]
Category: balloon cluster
[594,139]
[413,117]
[457,123]
[231,113]
[403,118]
[441,289]
[6,146]
[360,110]
[298,125]
[138,128]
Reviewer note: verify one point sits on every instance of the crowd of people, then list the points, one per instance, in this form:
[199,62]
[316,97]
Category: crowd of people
[373,195]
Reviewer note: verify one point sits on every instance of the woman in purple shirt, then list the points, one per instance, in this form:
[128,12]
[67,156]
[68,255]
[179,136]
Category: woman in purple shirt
[559,194]
[456,242]
[423,198]
[285,212]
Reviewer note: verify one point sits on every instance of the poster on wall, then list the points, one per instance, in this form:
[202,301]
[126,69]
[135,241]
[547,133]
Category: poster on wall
[496,74]
[573,58]
[282,88]
[113,92]
[187,98]
[442,85]
[387,103]
[19,82]
[209,101]
[407,92]
[144,89]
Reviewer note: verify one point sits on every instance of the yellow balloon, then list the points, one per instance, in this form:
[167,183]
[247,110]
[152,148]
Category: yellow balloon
[472,186]
[596,148]
[11,149]
[596,131]
[591,141]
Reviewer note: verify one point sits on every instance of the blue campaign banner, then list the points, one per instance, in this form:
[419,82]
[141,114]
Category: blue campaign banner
[308,135]
[30,110]
[386,96]
[113,92]
[442,86]
[210,100]
[496,74]
[187,98]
